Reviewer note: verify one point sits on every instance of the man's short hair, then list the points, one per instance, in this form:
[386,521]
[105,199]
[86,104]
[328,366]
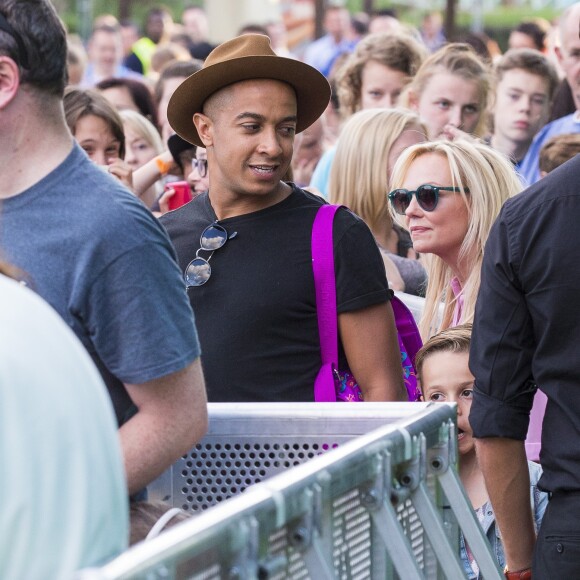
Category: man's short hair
[455,339]
[531,61]
[43,37]
[106,28]
[175,69]
[558,150]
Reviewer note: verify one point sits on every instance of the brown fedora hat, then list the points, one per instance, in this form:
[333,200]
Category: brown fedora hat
[243,58]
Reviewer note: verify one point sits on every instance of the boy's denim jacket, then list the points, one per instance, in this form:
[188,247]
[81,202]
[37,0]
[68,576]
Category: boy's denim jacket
[539,501]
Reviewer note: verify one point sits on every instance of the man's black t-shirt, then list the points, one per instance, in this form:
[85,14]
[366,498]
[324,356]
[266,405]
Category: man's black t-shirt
[256,316]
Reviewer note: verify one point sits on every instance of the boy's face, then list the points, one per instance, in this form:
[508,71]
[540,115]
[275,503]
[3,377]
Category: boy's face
[445,378]
[522,105]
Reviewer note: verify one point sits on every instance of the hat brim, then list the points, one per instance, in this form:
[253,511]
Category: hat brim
[311,88]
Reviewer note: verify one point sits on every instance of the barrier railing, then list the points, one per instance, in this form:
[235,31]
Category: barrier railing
[387,504]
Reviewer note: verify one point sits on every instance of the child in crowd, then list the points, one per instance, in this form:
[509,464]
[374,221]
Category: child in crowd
[142,144]
[98,129]
[149,518]
[557,151]
[450,92]
[443,371]
[525,85]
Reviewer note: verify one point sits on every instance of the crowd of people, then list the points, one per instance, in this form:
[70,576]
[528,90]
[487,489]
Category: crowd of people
[158,199]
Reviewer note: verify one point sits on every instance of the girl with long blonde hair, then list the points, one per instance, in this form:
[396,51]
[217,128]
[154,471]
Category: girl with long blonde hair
[370,143]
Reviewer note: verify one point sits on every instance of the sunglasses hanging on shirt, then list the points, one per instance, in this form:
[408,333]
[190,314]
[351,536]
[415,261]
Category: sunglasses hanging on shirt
[213,238]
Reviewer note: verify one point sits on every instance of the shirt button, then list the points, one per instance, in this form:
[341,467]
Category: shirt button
[559,548]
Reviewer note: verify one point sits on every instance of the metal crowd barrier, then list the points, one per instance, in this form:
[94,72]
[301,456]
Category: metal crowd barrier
[386,504]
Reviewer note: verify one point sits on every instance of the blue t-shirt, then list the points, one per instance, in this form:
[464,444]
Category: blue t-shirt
[94,252]
[321,176]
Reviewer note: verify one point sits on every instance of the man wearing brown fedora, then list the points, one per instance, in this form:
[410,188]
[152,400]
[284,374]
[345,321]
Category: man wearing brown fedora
[245,246]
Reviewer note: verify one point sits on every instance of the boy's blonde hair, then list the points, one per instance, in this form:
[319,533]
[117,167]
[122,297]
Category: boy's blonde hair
[455,339]
[490,179]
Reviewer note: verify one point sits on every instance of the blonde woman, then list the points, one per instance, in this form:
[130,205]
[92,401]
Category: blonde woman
[450,92]
[370,143]
[448,194]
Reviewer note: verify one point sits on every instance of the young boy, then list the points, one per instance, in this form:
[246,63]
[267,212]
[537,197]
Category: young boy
[443,371]
[525,84]
[558,150]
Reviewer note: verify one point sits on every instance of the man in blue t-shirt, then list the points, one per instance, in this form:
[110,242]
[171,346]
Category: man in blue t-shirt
[94,252]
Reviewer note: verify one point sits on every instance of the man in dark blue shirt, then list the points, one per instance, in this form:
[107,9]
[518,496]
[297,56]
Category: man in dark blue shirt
[525,334]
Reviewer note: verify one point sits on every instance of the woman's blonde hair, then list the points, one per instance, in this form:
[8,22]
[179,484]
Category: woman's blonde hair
[457,59]
[358,177]
[143,127]
[399,52]
[490,179]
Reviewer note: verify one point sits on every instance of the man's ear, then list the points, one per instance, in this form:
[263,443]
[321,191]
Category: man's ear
[9,80]
[204,126]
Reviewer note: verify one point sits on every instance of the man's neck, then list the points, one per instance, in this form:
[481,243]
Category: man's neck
[515,150]
[33,145]
[227,204]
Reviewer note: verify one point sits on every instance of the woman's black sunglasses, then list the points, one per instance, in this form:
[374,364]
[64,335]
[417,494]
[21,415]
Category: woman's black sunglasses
[427,197]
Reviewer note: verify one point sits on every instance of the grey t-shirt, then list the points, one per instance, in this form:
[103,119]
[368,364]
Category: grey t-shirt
[98,256]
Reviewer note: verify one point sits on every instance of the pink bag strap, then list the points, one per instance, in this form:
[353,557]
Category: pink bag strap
[324,282]
[325,288]
[325,291]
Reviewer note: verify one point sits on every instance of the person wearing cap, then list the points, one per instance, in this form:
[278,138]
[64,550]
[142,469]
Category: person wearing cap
[94,252]
[245,245]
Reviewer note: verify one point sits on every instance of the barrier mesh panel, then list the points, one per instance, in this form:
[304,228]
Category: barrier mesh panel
[218,469]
